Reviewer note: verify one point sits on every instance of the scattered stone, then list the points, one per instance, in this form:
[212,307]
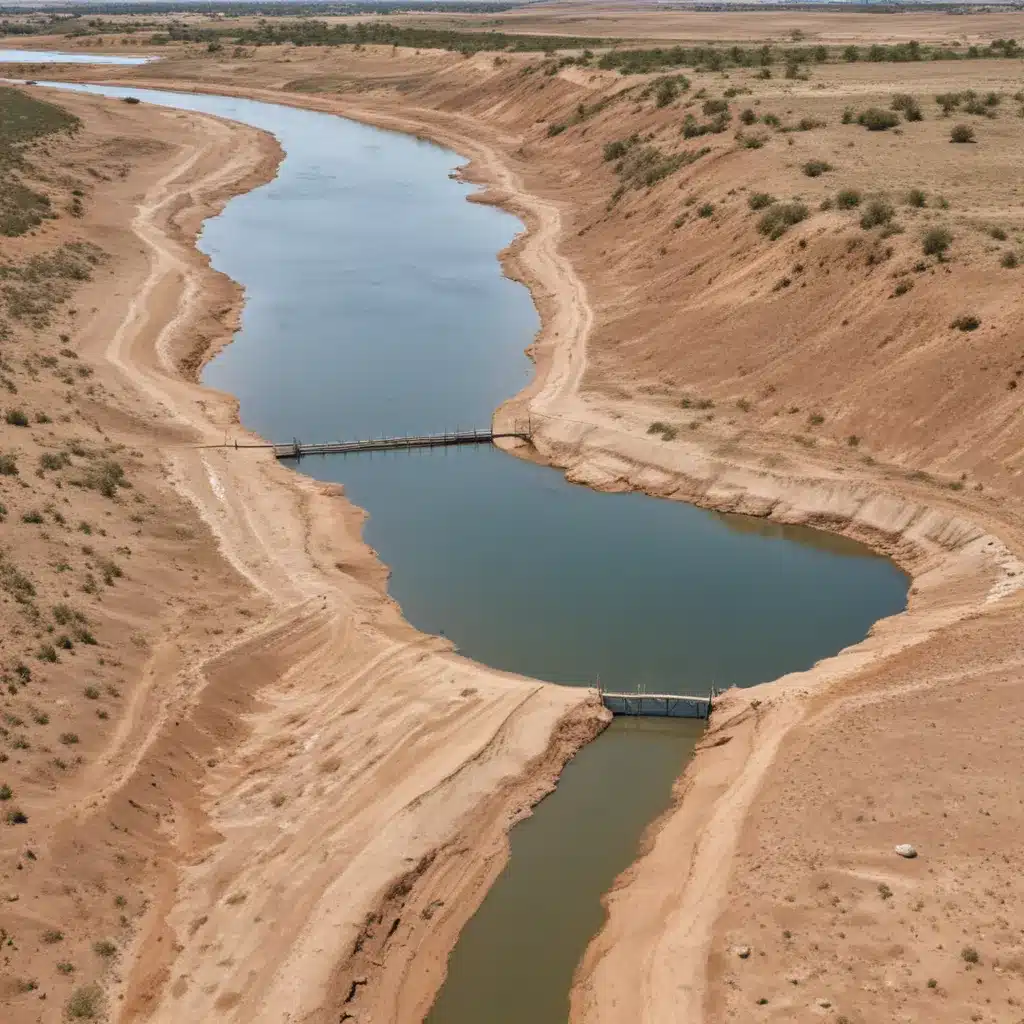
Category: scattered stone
[741,951]
[906,850]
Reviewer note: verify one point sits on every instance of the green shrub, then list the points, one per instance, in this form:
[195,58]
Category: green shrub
[849,115]
[961,133]
[935,241]
[47,652]
[948,101]
[760,200]
[706,210]
[876,213]
[715,107]
[969,955]
[16,816]
[6,792]
[877,120]
[917,197]
[16,418]
[848,198]
[778,218]
[555,129]
[816,168]
[748,116]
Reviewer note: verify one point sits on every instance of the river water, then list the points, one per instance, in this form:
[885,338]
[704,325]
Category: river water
[375,305]
[54,57]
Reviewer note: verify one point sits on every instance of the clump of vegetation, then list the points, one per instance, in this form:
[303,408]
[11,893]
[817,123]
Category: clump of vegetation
[877,120]
[760,200]
[30,291]
[712,107]
[16,418]
[85,1003]
[105,476]
[104,948]
[666,430]
[667,89]
[644,166]
[816,168]
[909,106]
[748,116]
[962,133]
[966,322]
[917,197]
[935,241]
[970,955]
[706,210]
[1009,260]
[902,287]
[848,198]
[876,213]
[780,217]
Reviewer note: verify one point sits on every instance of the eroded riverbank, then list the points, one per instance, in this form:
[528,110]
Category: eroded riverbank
[734,486]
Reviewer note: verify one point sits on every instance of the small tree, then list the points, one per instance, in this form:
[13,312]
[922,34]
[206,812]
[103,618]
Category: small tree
[961,133]
[935,241]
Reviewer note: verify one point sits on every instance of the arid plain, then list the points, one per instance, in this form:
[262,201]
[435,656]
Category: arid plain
[754,297]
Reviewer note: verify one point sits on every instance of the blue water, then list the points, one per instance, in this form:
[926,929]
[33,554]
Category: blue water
[54,57]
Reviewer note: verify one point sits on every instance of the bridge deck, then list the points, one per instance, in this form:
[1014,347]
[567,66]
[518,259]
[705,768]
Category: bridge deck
[296,450]
[660,705]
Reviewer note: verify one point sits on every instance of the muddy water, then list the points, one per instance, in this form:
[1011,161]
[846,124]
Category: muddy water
[375,304]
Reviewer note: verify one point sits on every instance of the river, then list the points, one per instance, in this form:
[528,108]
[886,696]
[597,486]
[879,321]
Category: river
[375,304]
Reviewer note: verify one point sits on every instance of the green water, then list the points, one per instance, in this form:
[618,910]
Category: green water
[375,304]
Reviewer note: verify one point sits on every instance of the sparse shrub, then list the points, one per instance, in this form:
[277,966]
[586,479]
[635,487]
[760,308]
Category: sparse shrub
[69,739]
[616,149]
[932,983]
[91,693]
[961,133]
[16,816]
[935,241]
[876,213]
[52,461]
[815,419]
[853,441]
[970,955]
[997,233]
[1009,260]
[778,218]
[706,210]
[104,948]
[884,891]
[902,287]
[47,652]
[877,120]
[917,197]
[948,101]
[816,168]
[908,105]
[32,516]
[87,1003]
[760,200]
[555,129]
[8,465]
[712,107]
[748,116]
[52,936]
[16,418]
[6,792]
[64,642]
[849,115]
[771,120]
[848,198]
[966,322]
[65,968]
[667,431]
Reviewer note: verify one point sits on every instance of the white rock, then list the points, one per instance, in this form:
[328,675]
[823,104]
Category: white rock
[741,951]
[906,850]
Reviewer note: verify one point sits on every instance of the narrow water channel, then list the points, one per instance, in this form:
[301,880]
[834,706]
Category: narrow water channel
[375,304]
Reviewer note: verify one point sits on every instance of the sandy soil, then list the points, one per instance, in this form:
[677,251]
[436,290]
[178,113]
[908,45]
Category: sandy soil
[828,400]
